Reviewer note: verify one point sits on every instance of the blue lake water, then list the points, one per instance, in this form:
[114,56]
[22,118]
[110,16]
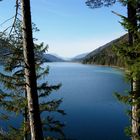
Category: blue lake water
[93,112]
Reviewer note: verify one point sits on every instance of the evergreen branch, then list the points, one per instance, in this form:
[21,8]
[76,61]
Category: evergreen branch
[45,90]
[11,82]
[5,31]
[52,125]
[19,73]
[43,73]
[123,17]
[50,105]
[4,116]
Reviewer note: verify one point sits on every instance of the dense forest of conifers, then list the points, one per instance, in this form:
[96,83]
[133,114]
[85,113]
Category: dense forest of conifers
[107,54]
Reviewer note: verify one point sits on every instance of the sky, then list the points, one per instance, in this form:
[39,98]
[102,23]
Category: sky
[69,27]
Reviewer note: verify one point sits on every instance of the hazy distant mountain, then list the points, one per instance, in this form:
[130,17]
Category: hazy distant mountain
[52,58]
[79,57]
[46,57]
[105,55]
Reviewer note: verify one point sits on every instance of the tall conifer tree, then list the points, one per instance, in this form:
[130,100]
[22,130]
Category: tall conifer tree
[30,74]
[131,23]
[15,82]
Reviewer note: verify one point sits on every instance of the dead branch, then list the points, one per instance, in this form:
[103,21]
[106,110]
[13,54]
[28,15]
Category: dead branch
[15,17]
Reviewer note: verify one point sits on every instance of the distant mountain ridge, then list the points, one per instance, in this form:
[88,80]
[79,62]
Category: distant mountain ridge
[105,55]
[4,50]
[52,58]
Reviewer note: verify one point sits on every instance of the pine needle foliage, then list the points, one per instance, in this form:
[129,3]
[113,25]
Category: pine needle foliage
[130,52]
[13,96]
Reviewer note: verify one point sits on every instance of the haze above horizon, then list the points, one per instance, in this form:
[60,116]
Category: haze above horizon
[69,27]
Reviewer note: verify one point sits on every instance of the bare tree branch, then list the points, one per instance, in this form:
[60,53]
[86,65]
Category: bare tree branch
[15,17]
[6,21]
[14,22]
[118,14]
[5,31]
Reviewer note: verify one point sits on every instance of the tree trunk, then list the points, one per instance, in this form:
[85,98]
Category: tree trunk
[135,110]
[30,74]
[25,120]
[132,11]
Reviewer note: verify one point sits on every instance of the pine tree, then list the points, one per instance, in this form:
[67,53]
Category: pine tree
[14,81]
[131,53]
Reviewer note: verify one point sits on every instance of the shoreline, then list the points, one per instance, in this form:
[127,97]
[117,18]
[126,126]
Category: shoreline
[112,66]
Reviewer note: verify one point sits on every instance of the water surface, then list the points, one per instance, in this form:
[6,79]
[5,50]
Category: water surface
[93,112]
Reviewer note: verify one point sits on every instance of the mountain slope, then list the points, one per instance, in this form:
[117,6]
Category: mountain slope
[52,58]
[105,55]
[79,57]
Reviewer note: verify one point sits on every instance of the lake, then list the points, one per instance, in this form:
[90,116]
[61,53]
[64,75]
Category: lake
[93,112]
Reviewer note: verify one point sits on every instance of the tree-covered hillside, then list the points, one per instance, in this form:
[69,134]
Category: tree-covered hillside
[52,58]
[106,55]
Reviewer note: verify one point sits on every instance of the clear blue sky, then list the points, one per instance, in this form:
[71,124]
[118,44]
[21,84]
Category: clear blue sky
[69,27]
